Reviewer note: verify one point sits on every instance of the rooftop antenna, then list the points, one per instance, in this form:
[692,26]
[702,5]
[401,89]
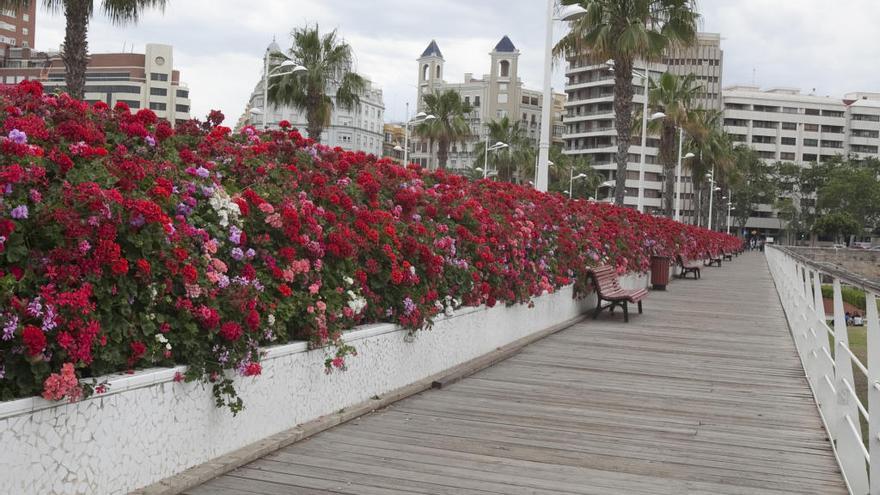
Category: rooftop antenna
[754,76]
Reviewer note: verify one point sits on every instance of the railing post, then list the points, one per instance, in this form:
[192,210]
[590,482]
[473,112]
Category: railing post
[873,329]
[846,429]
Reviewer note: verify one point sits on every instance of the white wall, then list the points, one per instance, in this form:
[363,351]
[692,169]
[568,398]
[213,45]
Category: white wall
[147,428]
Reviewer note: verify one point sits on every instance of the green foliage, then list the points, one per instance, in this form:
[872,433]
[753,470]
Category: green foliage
[752,184]
[327,60]
[448,126]
[516,162]
[837,224]
[850,295]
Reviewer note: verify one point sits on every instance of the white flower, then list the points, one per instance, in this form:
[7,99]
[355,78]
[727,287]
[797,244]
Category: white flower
[348,280]
[438,305]
[161,339]
[356,302]
[271,320]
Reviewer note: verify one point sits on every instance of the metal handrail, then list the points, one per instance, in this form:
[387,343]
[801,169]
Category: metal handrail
[842,274]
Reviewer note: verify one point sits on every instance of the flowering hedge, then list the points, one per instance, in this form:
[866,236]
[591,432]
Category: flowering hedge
[126,243]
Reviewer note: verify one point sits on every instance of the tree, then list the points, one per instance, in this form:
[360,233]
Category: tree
[838,224]
[853,188]
[567,166]
[788,212]
[77,13]
[672,95]
[513,163]
[450,124]
[712,151]
[624,31]
[328,62]
[752,184]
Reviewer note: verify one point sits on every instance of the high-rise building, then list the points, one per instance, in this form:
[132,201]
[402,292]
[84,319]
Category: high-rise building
[359,128]
[17,27]
[498,94]
[590,118]
[781,124]
[705,60]
[140,80]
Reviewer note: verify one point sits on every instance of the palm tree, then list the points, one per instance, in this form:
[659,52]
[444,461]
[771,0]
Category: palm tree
[328,62]
[624,31]
[713,151]
[672,95]
[449,125]
[75,50]
[512,163]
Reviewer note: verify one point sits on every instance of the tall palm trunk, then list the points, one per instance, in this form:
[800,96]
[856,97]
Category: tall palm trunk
[315,118]
[667,157]
[442,153]
[75,49]
[623,91]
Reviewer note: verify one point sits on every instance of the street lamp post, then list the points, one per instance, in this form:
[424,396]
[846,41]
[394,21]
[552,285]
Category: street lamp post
[678,174]
[729,207]
[268,75]
[712,190]
[497,146]
[571,179]
[542,178]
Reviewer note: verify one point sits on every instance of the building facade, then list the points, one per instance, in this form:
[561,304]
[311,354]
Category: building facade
[705,60]
[497,94]
[781,124]
[394,141]
[360,128]
[140,80]
[590,130]
[17,27]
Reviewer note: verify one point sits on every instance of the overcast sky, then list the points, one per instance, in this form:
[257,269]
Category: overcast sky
[218,44]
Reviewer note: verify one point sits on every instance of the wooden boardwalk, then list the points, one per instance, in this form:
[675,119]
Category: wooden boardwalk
[704,393]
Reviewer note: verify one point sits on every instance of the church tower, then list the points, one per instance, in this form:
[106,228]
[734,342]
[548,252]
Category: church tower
[504,84]
[430,72]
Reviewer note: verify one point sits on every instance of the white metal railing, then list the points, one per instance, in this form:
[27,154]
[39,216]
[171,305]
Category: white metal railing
[829,362]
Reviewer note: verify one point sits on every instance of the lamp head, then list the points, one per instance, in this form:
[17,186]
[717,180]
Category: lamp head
[657,116]
[689,155]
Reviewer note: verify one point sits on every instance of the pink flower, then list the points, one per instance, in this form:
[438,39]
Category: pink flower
[65,384]
[266,208]
[314,288]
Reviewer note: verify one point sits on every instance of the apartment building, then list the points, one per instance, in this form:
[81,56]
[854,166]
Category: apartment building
[590,118]
[781,124]
[360,128]
[705,60]
[499,93]
[395,139]
[140,80]
[17,27]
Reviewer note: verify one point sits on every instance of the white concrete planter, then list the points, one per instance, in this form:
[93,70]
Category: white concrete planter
[147,428]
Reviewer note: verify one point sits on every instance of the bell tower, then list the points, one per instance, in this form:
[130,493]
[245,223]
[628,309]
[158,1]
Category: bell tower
[504,86]
[430,72]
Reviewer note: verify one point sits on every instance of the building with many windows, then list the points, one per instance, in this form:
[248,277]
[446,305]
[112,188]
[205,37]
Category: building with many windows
[781,124]
[499,93]
[360,128]
[17,27]
[140,80]
[590,118]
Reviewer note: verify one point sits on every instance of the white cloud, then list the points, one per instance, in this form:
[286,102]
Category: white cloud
[218,43]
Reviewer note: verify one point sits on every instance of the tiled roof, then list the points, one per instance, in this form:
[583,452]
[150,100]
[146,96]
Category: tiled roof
[505,45]
[432,50]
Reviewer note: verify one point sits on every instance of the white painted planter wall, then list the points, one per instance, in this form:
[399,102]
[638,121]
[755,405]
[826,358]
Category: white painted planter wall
[147,428]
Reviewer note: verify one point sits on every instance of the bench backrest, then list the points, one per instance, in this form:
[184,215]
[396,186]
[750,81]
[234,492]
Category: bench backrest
[606,280]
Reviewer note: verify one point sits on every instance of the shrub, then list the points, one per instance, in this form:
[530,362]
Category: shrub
[126,243]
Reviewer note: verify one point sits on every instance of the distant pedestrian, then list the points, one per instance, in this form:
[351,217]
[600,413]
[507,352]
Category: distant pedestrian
[848,318]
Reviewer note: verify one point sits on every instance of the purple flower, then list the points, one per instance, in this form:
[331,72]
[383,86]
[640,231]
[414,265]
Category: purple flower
[138,221]
[408,306]
[203,172]
[237,254]
[49,322]
[8,189]
[250,253]
[20,212]
[207,191]
[35,308]
[224,282]
[17,136]
[235,235]
[150,140]
[9,328]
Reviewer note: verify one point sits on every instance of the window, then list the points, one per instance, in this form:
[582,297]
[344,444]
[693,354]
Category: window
[437,72]
[764,139]
[811,111]
[811,142]
[156,76]
[833,129]
[182,108]
[113,89]
[502,97]
[425,72]
[24,31]
[158,91]
[863,148]
[183,93]
[810,157]
[868,118]
[764,124]
[832,144]
[155,105]
[504,68]
[811,127]
[864,133]
[789,141]
[789,126]
[832,113]
[736,122]
[525,100]
[786,156]
[476,101]
[534,100]
[767,155]
[131,103]
[789,110]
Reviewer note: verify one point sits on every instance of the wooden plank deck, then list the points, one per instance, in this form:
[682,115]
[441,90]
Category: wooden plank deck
[702,394]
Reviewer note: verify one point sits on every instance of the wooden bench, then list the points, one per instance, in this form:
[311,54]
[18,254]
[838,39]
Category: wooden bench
[727,256]
[685,268]
[714,259]
[604,279]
